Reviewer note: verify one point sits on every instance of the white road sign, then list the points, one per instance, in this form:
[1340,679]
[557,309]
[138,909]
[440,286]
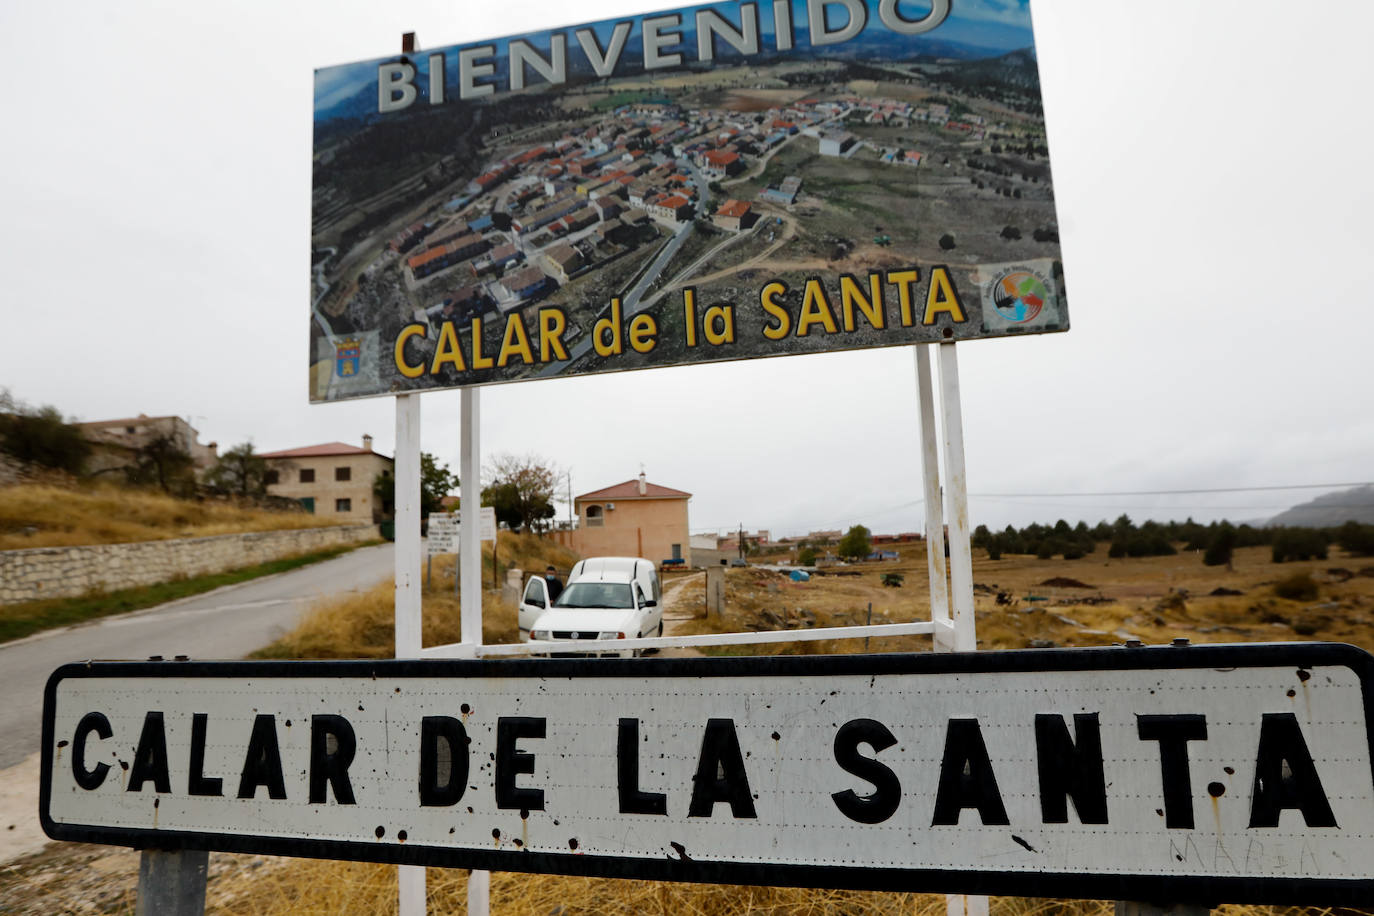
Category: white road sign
[1203,773]
[445,530]
[443,534]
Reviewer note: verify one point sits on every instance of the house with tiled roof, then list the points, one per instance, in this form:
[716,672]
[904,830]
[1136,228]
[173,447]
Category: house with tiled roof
[633,519]
[672,208]
[734,215]
[333,479]
[115,443]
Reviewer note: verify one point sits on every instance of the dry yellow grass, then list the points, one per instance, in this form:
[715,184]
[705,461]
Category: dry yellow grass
[1154,599]
[44,515]
[1139,597]
[316,888]
[310,887]
[363,625]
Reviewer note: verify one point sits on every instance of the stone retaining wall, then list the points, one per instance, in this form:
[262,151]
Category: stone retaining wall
[66,572]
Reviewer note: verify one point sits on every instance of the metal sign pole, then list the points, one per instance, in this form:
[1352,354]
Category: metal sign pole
[410,878]
[470,533]
[935,519]
[172,882]
[960,597]
[470,564]
[960,550]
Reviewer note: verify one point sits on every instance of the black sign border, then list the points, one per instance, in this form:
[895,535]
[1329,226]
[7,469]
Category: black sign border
[1207,890]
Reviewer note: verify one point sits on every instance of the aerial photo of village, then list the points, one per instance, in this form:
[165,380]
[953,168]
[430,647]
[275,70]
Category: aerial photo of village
[637,188]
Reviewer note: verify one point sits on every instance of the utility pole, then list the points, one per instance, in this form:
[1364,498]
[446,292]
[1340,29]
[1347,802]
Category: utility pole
[741,540]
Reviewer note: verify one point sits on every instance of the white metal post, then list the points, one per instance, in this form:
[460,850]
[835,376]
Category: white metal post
[960,551]
[479,893]
[408,526]
[470,570]
[935,517]
[410,878]
[470,533]
[960,554]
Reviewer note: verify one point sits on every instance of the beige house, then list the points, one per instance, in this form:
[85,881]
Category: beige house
[115,441]
[333,480]
[633,519]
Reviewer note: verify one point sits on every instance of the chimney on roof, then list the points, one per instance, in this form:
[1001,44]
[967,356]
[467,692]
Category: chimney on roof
[367,442]
[643,486]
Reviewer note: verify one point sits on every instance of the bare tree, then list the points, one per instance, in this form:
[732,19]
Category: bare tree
[521,489]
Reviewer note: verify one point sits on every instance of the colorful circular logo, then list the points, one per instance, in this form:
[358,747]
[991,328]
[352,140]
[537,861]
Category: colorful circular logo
[1019,295]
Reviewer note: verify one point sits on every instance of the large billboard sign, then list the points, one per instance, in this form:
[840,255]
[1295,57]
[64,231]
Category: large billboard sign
[1239,773]
[717,182]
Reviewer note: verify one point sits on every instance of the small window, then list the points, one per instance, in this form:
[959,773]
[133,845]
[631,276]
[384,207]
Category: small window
[343,474]
[595,519]
[307,475]
[343,505]
[271,477]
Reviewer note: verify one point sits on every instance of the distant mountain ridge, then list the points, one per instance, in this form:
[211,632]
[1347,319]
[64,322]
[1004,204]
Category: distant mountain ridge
[1331,510]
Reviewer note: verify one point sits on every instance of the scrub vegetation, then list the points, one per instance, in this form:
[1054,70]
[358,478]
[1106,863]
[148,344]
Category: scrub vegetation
[1023,601]
[48,515]
[363,625]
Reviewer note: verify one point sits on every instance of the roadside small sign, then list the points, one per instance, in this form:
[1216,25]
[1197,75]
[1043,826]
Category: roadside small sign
[445,530]
[1208,774]
[443,534]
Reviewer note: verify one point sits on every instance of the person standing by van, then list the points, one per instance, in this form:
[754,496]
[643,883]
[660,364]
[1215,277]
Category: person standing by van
[555,583]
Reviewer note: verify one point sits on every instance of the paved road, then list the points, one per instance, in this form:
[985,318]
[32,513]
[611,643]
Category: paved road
[227,623]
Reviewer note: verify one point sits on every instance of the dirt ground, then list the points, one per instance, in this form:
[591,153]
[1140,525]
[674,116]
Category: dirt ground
[1022,602]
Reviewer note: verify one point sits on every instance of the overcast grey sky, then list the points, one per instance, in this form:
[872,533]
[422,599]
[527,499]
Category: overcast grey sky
[1211,165]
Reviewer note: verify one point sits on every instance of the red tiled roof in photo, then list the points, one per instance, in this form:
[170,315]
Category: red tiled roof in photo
[319,451]
[630,490]
[735,208]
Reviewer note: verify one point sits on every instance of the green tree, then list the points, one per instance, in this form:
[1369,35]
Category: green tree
[856,543]
[436,482]
[1299,544]
[994,547]
[40,436]
[239,471]
[1356,539]
[1221,547]
[806,556]
[521,491]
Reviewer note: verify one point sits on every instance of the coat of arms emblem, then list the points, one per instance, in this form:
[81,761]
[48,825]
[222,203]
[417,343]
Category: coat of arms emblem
[348,357]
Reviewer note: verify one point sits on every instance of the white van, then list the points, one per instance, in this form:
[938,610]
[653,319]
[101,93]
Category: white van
[605,598]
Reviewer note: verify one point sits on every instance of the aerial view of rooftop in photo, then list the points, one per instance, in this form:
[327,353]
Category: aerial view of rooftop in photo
[716,183]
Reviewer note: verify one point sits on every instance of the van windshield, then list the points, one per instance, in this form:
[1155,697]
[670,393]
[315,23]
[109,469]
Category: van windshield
[596,594]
